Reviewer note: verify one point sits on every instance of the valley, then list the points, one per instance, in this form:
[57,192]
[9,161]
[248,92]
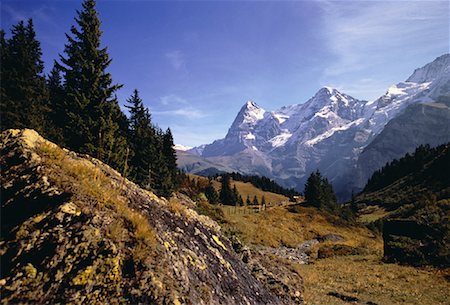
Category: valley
[330,186]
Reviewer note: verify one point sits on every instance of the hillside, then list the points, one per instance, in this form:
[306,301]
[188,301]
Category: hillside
[248,189]
[74,230]
[339,263]
[411,197]
[408,179]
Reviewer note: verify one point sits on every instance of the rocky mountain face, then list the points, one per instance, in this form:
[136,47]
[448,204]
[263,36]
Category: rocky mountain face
[422,123]
[328,132]
[75,231]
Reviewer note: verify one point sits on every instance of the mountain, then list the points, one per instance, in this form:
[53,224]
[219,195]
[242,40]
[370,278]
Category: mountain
[328,132]
[418,124]
[75,231]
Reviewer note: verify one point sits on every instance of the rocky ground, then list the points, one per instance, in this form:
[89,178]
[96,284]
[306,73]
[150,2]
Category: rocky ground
[74,230]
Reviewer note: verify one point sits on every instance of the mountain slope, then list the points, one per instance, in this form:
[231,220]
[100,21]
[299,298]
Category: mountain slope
[74,230]
[416,191]
[419,124]
[328,132]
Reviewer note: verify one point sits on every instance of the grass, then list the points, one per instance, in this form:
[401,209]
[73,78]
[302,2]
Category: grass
[369,279]
[374,214]
[277,226]
[246,188]
[85,179]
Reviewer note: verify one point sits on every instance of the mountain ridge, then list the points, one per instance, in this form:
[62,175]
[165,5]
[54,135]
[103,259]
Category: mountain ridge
[328,132]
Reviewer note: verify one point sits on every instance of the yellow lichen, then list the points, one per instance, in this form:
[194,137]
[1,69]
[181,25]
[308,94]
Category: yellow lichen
[167,245]
[217,240]
[84,276]
[30,271]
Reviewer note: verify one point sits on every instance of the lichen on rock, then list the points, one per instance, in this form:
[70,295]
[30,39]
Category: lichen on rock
[76,231]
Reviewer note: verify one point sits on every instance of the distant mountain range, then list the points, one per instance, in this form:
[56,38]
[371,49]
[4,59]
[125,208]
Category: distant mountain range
[345,138]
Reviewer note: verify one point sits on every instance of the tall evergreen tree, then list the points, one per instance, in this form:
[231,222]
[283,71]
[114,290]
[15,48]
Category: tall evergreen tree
[248,201]
[255,201]
[170,154]
[319,192]
[226,194]
[142,141]
[91,104]
[23,90]
[57,110]
[211,193]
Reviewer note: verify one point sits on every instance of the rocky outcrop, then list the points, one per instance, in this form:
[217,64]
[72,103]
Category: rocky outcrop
[74,230]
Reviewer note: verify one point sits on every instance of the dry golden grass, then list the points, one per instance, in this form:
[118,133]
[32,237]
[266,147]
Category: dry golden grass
[88,180]
[369,279]
[277,226]
[375,214]
[246,188]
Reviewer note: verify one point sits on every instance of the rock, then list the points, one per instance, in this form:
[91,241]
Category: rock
[84,234]
[330,237]
[326,251]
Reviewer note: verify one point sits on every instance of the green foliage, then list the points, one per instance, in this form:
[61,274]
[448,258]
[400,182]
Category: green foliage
[255,201]
[211,193]
[264,184]
[57,108]
[319,192]
[89,97]
[153,164]
[227,195]
[23,90]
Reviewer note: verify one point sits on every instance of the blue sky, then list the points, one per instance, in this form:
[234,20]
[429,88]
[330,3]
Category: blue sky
[196,63]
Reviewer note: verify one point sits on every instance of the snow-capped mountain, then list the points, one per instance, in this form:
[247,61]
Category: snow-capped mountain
[328,132]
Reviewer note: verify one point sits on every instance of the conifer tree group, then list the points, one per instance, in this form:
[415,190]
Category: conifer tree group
[319,192]
[76,105]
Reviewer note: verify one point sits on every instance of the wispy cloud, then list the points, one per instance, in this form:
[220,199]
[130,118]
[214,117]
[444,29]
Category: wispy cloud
[43,13]
[172,99]
[176,59]
[368,35]
[189,113]
[361,35]
[174,105]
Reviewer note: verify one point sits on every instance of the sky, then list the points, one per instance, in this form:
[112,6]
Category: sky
[195,63]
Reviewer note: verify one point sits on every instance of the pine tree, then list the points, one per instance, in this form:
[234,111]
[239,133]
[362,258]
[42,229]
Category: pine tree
[170,155]
[57,110]
[263,201]
[240,201]
[211,193]
[142,141]
[89,92]
[236,195]
[226,194]
[255,201]
[319,192]
[23,90]
[247,201]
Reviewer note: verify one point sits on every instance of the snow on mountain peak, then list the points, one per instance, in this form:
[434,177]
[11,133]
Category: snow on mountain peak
[251,113]
[431,71]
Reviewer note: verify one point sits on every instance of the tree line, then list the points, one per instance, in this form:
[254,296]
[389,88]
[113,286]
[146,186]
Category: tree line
[263,183]
[398,168]
[76,106]
[227,195]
